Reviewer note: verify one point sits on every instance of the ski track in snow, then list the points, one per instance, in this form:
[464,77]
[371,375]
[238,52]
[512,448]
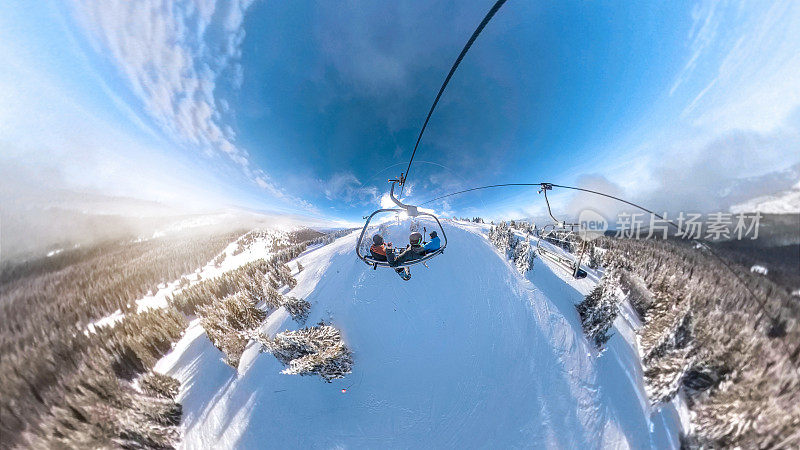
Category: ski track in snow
[466,354]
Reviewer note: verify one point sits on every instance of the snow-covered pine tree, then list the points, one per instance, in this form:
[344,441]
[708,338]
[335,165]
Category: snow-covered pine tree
[664,375]
[666,317]
[229,324]
[524,254]
[148,421]
[707,336]
[595,257]
[273,298]
[297,307]
[299,267]
[751,409]
[502,237]
[219,259]
[283,275]
[598,311]
[314,350]
[159,385]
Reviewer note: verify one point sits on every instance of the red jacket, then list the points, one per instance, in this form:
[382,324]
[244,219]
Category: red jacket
[378,252]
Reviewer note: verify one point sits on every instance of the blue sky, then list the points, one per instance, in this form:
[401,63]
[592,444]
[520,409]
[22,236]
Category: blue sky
[307,108]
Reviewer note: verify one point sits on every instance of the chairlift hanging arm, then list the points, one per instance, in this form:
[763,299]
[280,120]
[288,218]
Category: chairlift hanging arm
[410,209]
[549,187]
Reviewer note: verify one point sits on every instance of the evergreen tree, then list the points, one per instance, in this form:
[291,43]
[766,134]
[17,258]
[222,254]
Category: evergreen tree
[524,254]
[229,324]
[598,311]
[315,350]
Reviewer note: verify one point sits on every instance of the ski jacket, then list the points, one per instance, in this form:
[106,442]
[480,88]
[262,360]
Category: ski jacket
[411,253]
[433,245]
[378,252]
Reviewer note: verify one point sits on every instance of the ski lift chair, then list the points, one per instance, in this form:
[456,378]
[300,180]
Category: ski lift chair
[560,235]
[560,240]
[411,211]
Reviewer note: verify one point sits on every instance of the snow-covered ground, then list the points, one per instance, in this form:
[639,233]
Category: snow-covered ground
[466,354]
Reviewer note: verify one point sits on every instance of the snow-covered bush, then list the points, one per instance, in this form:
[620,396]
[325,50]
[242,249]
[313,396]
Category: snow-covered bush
[598,311]
[316,350]
[229,324]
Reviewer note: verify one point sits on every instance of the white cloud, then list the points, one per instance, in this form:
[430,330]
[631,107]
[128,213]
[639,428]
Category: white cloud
[160,48]
[346,187]
[736,137]
[750,62]
[386,201]
[447,209]
[353,42]
[265,182]
[705,23]
[173,55]
[707,174]
[785,202]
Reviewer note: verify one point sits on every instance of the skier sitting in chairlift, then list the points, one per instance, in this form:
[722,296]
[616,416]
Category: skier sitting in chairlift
[433,244]
[381,251]
[413,250]
[378,249]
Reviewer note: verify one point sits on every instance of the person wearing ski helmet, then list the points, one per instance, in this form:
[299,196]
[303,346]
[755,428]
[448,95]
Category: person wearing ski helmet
[383,251]
[433,244]
[413,251]
[378,249]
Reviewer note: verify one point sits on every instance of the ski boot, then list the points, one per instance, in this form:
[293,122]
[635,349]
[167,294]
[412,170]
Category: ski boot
[404,273]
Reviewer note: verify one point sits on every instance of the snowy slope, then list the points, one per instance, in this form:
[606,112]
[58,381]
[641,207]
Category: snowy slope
[467,354]
[259,248]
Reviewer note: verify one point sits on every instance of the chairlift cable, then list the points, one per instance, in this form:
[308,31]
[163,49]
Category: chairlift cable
[705,245]
[479,188]
[553,185]
[471,40]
